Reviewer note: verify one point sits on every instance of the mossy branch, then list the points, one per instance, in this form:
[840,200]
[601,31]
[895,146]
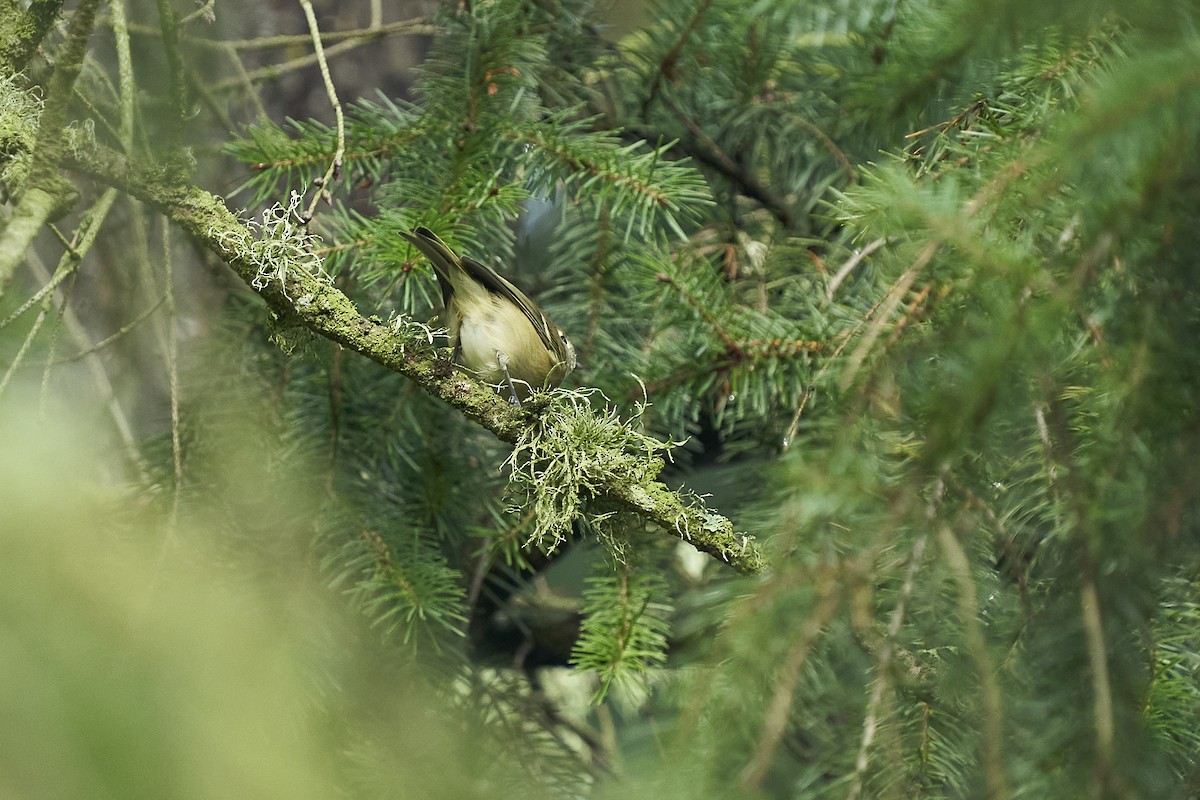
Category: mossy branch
[21,31]
[302,297]
[46,195]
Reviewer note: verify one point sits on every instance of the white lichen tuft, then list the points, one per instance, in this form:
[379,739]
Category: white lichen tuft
[277,245]
[413,331]
[81,137]
[20,113]
[572,455]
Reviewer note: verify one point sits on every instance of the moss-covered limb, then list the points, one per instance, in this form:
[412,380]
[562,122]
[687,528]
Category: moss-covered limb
[574,453]
[42,200]
[66,70]
[36,207]
[21,31]
[301,297]
[46,194]
[704,529]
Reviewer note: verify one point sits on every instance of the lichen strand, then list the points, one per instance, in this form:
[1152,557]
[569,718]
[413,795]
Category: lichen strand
[20,110]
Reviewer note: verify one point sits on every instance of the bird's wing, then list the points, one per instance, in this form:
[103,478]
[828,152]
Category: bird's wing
[446,262]
[497,284]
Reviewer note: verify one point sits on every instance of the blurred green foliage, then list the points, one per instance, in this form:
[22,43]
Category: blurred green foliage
[206,658]
[915,280]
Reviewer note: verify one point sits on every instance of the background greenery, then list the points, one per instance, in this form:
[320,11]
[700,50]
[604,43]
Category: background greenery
[912,286]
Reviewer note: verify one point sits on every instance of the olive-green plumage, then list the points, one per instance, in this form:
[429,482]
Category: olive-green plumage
[498,333]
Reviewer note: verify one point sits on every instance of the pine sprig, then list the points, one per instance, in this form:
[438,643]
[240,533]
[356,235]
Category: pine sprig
[412,593]
[721,351]
[293,154]
[624,631]
[629,181]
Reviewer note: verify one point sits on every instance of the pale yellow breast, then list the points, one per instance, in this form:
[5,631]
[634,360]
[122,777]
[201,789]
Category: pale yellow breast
[497,326]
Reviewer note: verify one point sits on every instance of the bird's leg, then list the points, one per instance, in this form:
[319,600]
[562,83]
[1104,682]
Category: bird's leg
[502,360]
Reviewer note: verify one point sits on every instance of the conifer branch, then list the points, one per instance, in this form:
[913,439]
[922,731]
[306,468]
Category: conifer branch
[274,71]
[711,153]
[667,68]
[784,697]
[1102,701]
[416,26]
[300,297]
[177,92]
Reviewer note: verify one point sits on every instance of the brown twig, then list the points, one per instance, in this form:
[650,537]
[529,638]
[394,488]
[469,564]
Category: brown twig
[714,155]
[334,170]
[783,698]
[666,67]
[989,688]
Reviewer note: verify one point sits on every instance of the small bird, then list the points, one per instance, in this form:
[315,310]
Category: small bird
[498,333]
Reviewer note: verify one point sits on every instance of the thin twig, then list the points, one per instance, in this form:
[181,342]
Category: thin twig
[989,689]
[1102,702]
[666,67]
[828,143]
[775,723]
[26,344]
[173,373]
[274,71]
[713,154]
[107,340]
[335,166]
[883,667]
[68,265]
[60,275]
[246,81]
[205,12]
[86,235]
[598,266]
[705,313]
[973,205]
[120,27]
[104,385]
[1054,431]
[853,261]
[169,25]
[51,346]
[846,337]
[418,26]
[891,302]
